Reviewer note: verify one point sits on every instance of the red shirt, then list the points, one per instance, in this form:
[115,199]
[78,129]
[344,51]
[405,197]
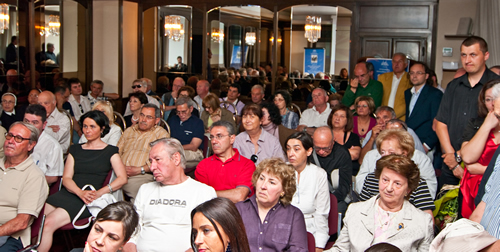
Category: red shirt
[237,171]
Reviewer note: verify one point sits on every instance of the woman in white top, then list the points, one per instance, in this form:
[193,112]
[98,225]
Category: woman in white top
[115,132]
[312,196]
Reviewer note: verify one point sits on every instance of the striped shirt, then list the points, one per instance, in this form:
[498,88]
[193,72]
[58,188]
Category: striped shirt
[134,145]
[420,197]
[491,215]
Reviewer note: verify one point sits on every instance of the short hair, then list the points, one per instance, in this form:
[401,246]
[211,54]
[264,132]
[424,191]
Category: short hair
[172,146]
[395,120]
[99,118]
[229,126]
[386,108]
[399,54]
[274,112]
[34,133]
[38,110]
[13,38]
[403,165]
[179,57]
[237,86]
[286,96]
[72,81]
[97,82]
[404,139]
[60,89]
[285,172]
[13,95]
[108,110]
[140,81]
[124,212]
[383,247]
[252,109]
[211,101]
[348,115]
[190,91]
[141,96]
[184,100]
[483,46]
[422,64]
[322,90]
[49,45]
[368,100]
[257,86]
[481,107]
[157,110]
[304,138]
[222,213]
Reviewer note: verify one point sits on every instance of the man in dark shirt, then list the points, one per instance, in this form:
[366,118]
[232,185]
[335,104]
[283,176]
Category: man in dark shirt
[336,161]
[459,104]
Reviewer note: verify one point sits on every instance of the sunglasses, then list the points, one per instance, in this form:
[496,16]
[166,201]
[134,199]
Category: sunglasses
[136,86]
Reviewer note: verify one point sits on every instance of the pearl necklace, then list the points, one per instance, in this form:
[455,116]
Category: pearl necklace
[135,119]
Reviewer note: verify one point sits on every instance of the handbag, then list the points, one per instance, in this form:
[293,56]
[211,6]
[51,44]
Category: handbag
[94,207]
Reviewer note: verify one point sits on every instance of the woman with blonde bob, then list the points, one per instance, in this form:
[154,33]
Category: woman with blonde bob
[271,222]
[115,132]
[388,217]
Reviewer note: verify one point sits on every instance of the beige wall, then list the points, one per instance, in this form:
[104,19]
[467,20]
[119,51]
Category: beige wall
[129,46]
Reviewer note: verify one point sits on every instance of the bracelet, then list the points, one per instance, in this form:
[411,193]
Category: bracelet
[455,167]
[110,188]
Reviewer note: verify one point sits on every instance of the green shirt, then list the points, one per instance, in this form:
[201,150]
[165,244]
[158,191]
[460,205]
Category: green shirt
[374,89]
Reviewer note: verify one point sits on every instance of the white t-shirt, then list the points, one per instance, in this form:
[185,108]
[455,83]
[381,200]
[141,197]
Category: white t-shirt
[48,155]
[165,214]
[312,118]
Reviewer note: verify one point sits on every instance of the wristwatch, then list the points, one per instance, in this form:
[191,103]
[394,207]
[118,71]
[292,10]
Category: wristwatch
[458,158]
[142,170]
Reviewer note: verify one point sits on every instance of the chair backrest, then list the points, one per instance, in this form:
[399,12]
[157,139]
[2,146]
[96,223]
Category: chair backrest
[295,107]
[56,186]
[120,120]
[158,98]
[164,124]
[226,103]
[206,146]
[311,242]
[333,215]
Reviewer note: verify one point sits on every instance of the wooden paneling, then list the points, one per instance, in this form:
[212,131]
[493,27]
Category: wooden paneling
[377,47]
[394,17]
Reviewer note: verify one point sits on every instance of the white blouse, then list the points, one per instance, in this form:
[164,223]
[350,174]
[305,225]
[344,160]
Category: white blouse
[114,134]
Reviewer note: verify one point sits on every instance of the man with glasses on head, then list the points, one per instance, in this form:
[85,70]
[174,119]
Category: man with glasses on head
[134,148]
[188,129]
[10,113]
[363,85]
[140,85]
[228,172]
[336,161]
[23,186]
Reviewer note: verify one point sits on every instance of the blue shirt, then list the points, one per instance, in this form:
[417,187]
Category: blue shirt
[491,215]
[185,131]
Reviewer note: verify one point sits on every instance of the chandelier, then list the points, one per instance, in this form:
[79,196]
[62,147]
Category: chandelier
[217,35]
[250,38]
[4,17]
[54,25]
[173,28]
[313,29]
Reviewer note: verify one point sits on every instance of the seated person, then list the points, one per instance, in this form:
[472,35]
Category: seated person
[136,101]
[58,124]
[316,116]
[271,223]
[187,91]
[164,206]
[233,95]
[312,196]
[89,163]
[214,113]
[229,173]
[389,140]
[283,101]
[23,186]
[115,132]
[271,122]
[187,129]
[140,85]
[10,114]
[47,154]
[388,217]
[363,121]
[2,140]
[255,143]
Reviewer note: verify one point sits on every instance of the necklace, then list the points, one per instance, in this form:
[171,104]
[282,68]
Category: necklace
[135,119]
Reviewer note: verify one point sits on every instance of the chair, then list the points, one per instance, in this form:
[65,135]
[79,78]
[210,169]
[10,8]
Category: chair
[56,186]
[158,98]
[226,103]
[295,107]
[164,124]
[36,232]
[334,219]
[311,242]
[120,120]
[191,166]
[72,124]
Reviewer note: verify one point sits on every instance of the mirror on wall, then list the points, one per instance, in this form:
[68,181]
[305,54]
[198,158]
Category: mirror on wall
[13,54]
[47,36]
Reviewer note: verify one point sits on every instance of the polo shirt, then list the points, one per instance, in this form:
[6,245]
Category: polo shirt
[374,89]
[269,146]
[236,172]
[185,131]
[312,118]
[24,191]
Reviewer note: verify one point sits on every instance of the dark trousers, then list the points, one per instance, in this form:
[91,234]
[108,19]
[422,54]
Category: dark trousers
[12,244]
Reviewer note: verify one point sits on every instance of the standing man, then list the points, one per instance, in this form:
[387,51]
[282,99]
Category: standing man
[95,94]
[316,116]
[180,67]
[140,85]
[23,186]
[422,103]
[228,172]
[11,53]
[170,97]
[57,122]
[363,85]
[202,89]
[395,83]
[165,206]
[459,104]
[50,55]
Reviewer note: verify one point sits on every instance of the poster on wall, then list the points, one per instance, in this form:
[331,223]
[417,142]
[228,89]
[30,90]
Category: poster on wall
[314,60]
[236,57]
[382,66]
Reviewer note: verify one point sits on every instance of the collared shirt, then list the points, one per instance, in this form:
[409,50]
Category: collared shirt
[48,155]
[283,229]
[491,216]
[79,108]
[374,89]
[187,130]
[112,138]
[150,100]
[394,89]
[134,144]
[269,146]
[236,172]
[237,103]
[24,191]
[414,97]
[93,100]
[63,134]
[312,118]
[199,100]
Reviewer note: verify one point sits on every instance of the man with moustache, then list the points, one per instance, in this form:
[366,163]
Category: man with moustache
[134,148]
[164,206]
[228,172]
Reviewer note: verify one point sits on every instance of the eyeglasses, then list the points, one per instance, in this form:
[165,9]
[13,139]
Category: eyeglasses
[136,86]
[218,137]
[324,149]
[18,139]
[182,112]
[254,158]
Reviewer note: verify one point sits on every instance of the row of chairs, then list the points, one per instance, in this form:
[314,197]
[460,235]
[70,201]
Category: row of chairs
[334,226]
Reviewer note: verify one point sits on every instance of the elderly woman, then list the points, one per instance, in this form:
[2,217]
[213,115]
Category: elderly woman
[283,101]
[271,223]
[214,113]
[388,217]
[363,122]
[312,196]
[271,122]
[481,139]
[341,122]
[115,132]
[136,101]
[255,143]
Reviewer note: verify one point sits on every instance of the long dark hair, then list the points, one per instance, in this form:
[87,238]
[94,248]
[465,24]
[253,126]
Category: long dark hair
[224,212]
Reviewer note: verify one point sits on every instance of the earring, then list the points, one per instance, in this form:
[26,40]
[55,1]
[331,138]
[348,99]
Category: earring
[282,194]
[228,248]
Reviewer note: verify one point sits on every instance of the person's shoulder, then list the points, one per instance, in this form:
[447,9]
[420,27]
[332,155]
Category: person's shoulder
[112,148]
[201,187]
[385,76]
[372,154]
[432,90]
[316,169]
[375,83]
[340,149]
[242,135]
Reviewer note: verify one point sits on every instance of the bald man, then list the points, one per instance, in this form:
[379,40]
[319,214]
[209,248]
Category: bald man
[170,97]
[202,89]
[58,124]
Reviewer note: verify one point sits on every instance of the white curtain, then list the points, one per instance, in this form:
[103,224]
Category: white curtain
[487,26]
